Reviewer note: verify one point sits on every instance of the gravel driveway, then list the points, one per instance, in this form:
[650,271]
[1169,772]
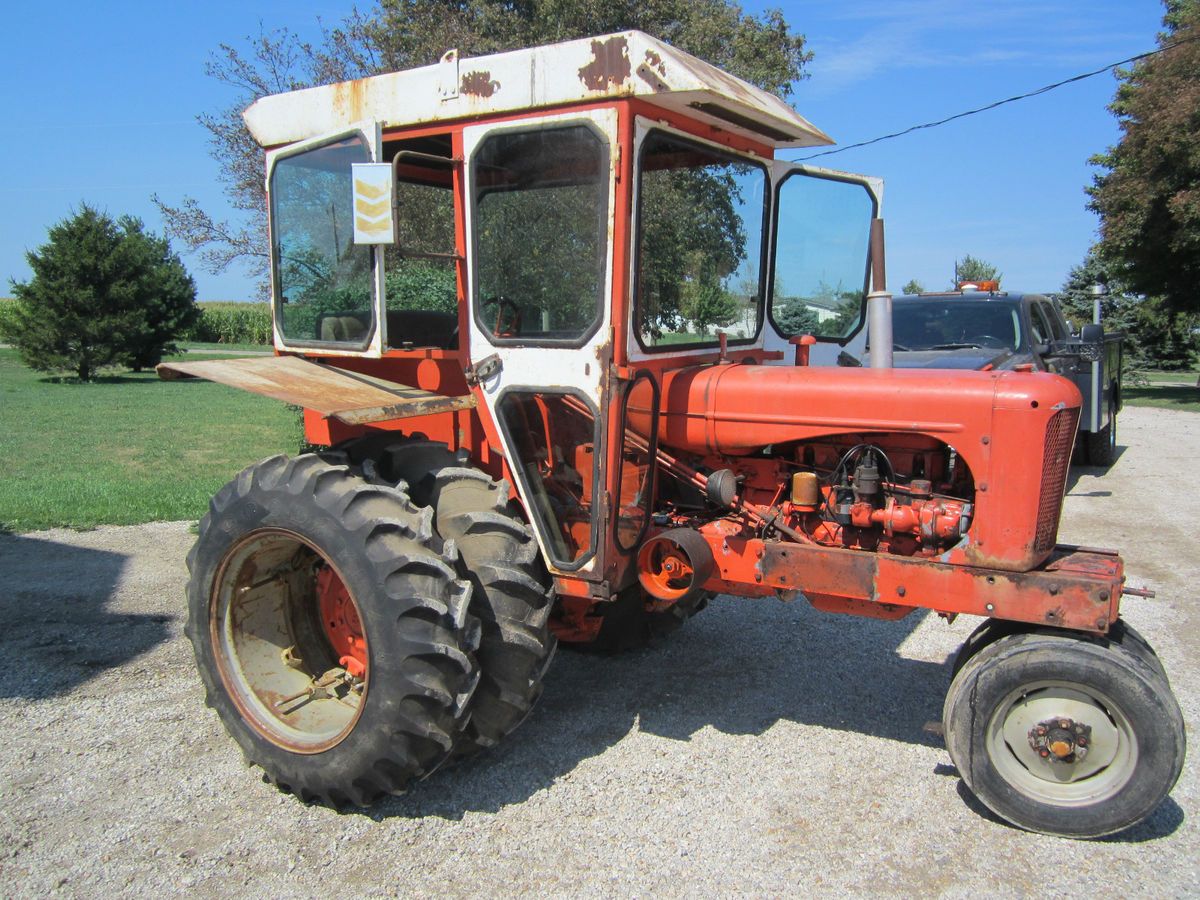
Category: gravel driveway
[765,748]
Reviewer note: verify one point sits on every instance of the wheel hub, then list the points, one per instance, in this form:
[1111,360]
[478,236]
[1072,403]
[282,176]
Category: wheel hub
[1060,740]
[340,620]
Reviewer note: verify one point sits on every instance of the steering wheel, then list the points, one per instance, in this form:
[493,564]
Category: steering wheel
[989,340]
[509,326]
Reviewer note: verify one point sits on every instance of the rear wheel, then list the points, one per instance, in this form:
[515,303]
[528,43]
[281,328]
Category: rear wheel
[500,556]
[1063,735]
[331,629]
[1102,444]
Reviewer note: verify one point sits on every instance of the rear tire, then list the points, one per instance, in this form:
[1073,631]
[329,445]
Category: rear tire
[500,557]
[1102,444]
[1114,760]
[255,621]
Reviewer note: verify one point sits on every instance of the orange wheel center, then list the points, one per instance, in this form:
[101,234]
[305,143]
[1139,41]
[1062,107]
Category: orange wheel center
[339,618]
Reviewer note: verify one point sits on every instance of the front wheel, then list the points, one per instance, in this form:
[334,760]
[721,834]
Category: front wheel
[1062,735]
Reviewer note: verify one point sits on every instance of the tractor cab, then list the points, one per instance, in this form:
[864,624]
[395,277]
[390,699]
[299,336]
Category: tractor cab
[535,232]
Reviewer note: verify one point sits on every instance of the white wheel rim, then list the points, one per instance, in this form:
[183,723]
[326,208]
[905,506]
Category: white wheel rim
[1111,754]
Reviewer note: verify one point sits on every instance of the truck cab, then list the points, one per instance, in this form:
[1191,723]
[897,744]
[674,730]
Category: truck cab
[992,329]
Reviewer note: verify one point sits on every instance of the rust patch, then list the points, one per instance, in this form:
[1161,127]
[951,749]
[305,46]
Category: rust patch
[610,64]
[651,78]
[478,84]
[655,61]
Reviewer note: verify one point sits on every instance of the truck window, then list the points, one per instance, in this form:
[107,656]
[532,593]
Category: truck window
[700,244]
[322,279]
[1057,332]
[1038,325]
[540,232]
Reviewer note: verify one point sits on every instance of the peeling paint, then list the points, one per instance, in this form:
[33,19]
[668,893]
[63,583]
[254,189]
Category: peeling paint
[610,65]
[479,84]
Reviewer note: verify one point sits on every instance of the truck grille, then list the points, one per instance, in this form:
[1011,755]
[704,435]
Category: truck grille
[1060,438]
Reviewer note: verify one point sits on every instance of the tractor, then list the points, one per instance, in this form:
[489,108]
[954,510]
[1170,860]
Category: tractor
[577,354]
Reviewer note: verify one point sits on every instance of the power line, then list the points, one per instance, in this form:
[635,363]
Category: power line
[971,112]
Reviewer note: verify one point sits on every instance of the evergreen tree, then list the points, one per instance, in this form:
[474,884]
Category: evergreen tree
[102,292]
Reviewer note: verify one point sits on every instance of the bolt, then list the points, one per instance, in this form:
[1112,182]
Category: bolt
[1104,595]
[985,440]
[900,592]
[983,486]
[1053,589]
[990,607]
[1101,624]
[757,576]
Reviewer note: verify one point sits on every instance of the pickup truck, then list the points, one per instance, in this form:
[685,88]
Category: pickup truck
[1001,330]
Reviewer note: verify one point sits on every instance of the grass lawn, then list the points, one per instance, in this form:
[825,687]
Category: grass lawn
[128,448]
[1163,396]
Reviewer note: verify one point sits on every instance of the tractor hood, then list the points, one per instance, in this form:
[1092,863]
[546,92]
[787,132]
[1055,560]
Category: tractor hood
[739,409]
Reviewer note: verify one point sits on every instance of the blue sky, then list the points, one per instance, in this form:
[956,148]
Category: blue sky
[99,104]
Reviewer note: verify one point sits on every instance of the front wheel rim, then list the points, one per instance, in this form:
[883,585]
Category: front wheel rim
[1111,745]
[273,652]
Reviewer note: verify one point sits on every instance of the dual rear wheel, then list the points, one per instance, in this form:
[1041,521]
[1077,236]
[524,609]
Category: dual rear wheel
[358,620]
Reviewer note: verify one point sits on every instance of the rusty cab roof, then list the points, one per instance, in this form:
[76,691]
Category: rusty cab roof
[623,65]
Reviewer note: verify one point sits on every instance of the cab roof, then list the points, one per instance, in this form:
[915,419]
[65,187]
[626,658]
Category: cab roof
[626,64]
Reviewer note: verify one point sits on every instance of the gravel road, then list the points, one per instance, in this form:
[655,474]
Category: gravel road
[763,749]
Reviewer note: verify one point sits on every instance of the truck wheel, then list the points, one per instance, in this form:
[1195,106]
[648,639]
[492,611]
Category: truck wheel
[1102,444]
[500,557]
[1062,735]
[331,629]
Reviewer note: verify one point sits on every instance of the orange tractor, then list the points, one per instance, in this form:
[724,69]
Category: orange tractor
[569,330]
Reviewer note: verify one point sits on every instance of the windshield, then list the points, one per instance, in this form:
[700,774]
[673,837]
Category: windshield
[700,244]
[956,323]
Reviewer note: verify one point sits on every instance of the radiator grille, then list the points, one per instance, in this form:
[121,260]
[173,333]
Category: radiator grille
[1060,435]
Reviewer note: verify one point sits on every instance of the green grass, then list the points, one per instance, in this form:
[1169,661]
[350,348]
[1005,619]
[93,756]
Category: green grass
[194,348]
[126,449]
[1163,396]
[1176,377]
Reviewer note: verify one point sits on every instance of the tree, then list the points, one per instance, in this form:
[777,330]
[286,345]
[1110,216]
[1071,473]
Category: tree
[913,287]
[970,268]
[401,34]
[1147,193]
[1156,336]
[102,292]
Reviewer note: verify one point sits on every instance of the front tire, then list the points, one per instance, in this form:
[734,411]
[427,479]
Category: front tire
[331,630]
[1064,735]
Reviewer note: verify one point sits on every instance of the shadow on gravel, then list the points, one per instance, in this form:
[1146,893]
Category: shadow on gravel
[57,633]
[740,667]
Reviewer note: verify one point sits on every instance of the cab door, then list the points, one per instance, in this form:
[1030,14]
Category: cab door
[820,266]
[539,216]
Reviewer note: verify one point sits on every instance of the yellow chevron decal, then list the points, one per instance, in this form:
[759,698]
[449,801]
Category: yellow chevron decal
[369,191]
[381,227]
[363,208]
